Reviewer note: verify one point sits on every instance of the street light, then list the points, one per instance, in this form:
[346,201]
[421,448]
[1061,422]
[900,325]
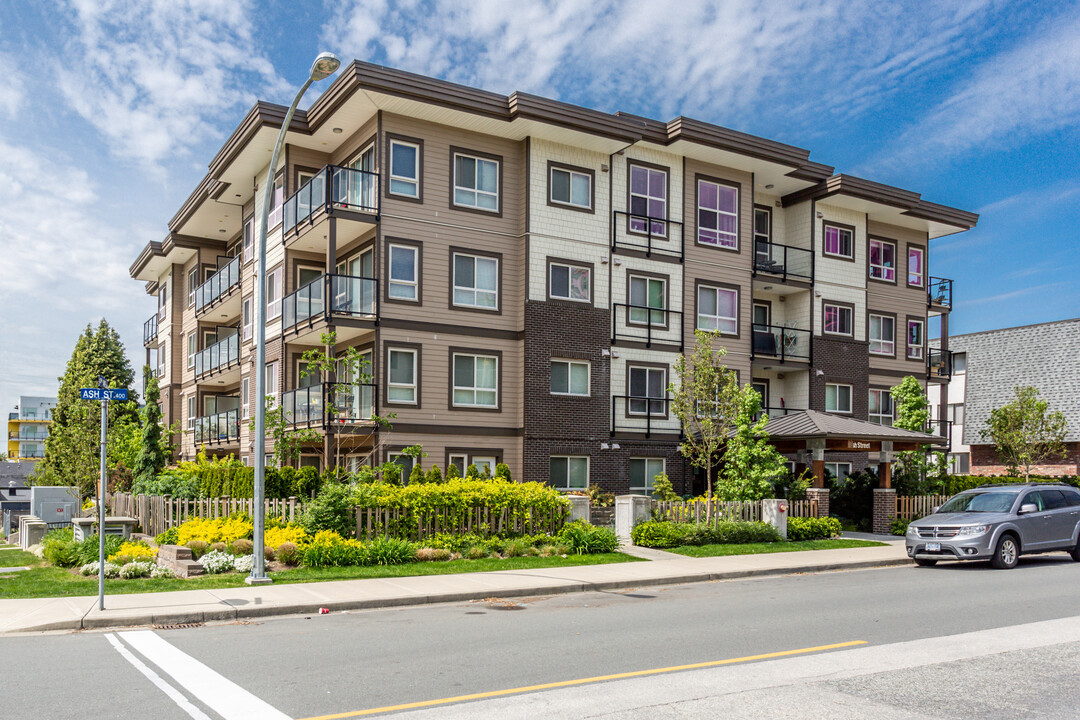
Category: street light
[325,65]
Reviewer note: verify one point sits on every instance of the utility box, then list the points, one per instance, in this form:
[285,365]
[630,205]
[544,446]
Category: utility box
[55,506]
[629,511]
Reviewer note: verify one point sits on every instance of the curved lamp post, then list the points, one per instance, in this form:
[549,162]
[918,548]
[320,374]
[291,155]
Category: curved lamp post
[325,65]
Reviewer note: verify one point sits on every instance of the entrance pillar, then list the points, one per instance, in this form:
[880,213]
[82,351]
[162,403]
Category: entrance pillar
[884,495]
[818,492]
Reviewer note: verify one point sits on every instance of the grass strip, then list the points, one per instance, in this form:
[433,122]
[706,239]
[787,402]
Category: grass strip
[777,547]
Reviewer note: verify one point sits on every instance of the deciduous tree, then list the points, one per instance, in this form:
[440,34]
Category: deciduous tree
[1025,432]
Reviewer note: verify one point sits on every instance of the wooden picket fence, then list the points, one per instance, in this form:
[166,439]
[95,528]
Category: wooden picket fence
[803,508]
[690,511]
[410,524]
[157,513]
[913,507]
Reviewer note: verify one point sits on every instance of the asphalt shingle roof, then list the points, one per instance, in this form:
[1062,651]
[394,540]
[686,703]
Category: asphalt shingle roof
[814,424]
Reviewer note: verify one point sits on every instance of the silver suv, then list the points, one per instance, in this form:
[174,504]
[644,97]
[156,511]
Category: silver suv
[999,523]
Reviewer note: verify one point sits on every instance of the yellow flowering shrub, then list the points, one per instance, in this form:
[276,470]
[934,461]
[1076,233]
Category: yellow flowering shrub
[136,551]
[277,535]
[223,530]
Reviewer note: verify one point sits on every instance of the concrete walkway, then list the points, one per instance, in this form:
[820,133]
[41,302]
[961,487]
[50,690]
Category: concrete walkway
[194,606]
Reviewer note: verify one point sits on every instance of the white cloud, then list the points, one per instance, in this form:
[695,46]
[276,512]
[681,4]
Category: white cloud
[154,76]
[12,90]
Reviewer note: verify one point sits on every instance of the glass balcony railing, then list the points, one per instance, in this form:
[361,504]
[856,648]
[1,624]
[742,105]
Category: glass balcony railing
[222,427]
[221,354]
[939,293]
[219,284]
[783,343]
[775,412]
[785,261]
[150,329]
[941,428]
[332,187]
[939,363]
[350,296]
[325,404]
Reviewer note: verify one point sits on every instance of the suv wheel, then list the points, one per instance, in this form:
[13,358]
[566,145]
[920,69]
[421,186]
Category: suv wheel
[922,562]
[1007,553]
[1075,552]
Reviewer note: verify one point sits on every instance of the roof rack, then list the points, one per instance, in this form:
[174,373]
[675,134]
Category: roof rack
[1027,484]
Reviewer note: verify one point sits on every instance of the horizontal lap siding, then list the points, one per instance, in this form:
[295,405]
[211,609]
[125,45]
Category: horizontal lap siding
[901,299]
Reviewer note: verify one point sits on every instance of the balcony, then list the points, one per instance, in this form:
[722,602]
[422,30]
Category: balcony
[351,298]
[328,405]
[783,262]
[938,364]
[781,343]
[149,330]
[775,412]
[941,428]
[637,414]
[28,437]
[219,288]
[222,355]
[346,193]
[939,294]
[648,235]
[217,429]
[641,323]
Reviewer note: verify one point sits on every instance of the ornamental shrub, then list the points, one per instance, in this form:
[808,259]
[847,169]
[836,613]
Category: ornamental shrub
[390,551]
[516,548]
[136,569]
[219,547]
[452,472]
[670,534]
[217,561]
[585,539]
[241,547]
[799,529]
[899,526]
[308,482]
[328,549]
[476,552]
[59,548]
[197,547]
[432,554]
[244,563]
[331,510]
[434,475]
[161,572]
[87,550]
[417,475]
[169,537]
[659,534]
[292,533]
[134,551]
[472,472]
[288,553]
[958,483]
[215,530]
[502,470]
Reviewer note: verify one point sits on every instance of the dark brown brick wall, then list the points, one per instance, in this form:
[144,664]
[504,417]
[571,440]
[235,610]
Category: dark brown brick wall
[985,461]
[842,361]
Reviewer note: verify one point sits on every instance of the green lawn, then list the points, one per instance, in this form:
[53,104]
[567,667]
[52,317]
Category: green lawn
[777,547]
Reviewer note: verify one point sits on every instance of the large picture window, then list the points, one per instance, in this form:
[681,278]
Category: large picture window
[648,199]
[569,473]
[718,214]
[476,381]
[476,281]
[476,182]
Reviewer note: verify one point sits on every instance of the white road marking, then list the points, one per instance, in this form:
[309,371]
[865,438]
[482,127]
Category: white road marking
[219,693]
[153,677]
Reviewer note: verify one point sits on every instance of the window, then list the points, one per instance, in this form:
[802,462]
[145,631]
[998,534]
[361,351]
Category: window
[569,377]
[837,398]
[401,387]
[959,463]
[272,379]
[570,282]
[570,187]
[476,281]
[718,214]
[762,225]
[762,387]
[838,319]
[404,169]
[882,335]
[307,376]
[718,309]
[915,339]
[404,275]
[461,462]
[245,398]
[476,380]
[881,407]
[163,299]
[839,241]
[648,200]
[648,389]
[476,182]
[959,363]
[838,470]
[274,218]
[247,315]
[883,260]
[192,284]
[405,462]
[273,294]
[191,412]
[915,264]
[569,473]
[192,349]
[248,251]
[643,471]
[956,413]
[163,352]
[645,293]
[486,465]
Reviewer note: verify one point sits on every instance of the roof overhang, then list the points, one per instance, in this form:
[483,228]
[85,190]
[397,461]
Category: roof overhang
[157,257]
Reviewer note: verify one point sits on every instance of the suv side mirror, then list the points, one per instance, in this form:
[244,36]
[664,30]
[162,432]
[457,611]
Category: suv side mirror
[934,509]
[1028,508]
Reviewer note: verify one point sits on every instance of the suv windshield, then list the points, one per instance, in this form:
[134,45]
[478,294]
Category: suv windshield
[980,502]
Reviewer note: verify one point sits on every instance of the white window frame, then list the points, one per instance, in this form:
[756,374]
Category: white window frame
[570,269]
[956,410]
[955,369]
[648,400]
[477,192]
[273,304]
[648,486]
[850,255]
[464,462]
[245,398]
[248,243]
[718,319]
[834,468]
[922,266]
[163,353]
[882,269]
[192,349]
[569,202]
[414,180]
[879,417]
[915,352]
[191,412]
[570,364]
[720,243]
[192,284]
[393,282]
[277,202]
[247,313]
[646,225]
[474,388]
[272,380]
[645,308]
[567,459]
[843,309]
[412,386]
[163,300]
[490,461]
[884,345]
[476,292]
[399,459]
[838,387]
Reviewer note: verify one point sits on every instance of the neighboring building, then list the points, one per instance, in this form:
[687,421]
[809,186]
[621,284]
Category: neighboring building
[522,273]
[28,427]
[986,369]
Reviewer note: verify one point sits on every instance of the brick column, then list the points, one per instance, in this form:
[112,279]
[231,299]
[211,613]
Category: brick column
[884,509]
[822,497]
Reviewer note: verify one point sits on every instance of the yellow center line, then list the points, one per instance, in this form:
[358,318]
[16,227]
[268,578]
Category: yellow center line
[584,681]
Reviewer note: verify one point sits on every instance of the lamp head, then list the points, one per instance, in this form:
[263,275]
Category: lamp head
[324,66]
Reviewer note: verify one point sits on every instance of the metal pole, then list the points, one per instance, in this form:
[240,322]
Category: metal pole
[101,509]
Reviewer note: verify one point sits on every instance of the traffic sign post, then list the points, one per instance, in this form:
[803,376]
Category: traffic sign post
[104,395]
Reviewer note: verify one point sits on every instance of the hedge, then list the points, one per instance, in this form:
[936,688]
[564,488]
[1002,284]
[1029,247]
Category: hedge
[958,483]
[799,529]
[662,534]
[229,478]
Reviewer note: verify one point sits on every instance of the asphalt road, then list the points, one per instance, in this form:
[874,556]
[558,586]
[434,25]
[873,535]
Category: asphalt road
[339,664]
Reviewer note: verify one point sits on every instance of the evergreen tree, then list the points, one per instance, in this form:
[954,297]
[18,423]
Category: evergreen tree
[151,458]
[72,450]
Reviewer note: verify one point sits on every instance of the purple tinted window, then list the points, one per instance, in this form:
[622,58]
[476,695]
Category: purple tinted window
[648,198]
[717,216]
[837,241]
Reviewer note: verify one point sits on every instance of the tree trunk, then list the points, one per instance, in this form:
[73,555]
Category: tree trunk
[708,493]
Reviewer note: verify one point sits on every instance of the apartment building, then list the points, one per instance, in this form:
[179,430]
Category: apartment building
[520,275]
[986,368]
[28,427]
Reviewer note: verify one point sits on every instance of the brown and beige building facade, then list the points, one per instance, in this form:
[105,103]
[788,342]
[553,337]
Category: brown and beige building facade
[520,274]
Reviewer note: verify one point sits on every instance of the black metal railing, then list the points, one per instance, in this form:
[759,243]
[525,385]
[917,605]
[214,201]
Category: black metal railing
[783,343]
[221,354]
[646,324]
[628,412]
[222,427]
[325,404]
[350,296]
[783,261]
[219,284]
[939,293]
[775,412]
[650,235]
[941,428]
[333,187]
[149,330]
[939,363]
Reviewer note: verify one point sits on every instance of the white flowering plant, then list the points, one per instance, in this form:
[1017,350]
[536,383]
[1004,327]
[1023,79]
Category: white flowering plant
[245,563]
[217,561]
[136,569]
[162,572]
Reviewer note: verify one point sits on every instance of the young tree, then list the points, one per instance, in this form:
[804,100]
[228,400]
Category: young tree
[151,458]
[1024,433]
[913,413]
[705,402]
[751,464]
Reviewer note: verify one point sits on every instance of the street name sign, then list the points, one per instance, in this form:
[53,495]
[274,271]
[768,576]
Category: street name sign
[103,394]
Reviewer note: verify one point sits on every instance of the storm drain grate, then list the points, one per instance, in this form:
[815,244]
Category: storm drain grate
[181,626]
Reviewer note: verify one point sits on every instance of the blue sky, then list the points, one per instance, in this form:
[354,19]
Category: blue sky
[110,111]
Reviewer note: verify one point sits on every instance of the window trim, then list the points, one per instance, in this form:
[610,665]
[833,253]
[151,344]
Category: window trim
[192,408]
[469,453]
[768,211]
[844,306]
[838,464]
[907,336]
[418,265]
[588,471]
[895,266]
[246,330]
[870,341]
[630,163]
[192,286]
[953,369]
[498,258]
[245,397]
[391,139]
[279,274]
[699,284]
[922,249]
[892,405]
[450,386]
[565,262]
[645,488]
[192,348]
[841,226]
[737,186]
[416,349]
[476,155]
[666,279]
[273,388]
[851,398]
[643,365]
[247,240]
[572,361]
[553,165]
